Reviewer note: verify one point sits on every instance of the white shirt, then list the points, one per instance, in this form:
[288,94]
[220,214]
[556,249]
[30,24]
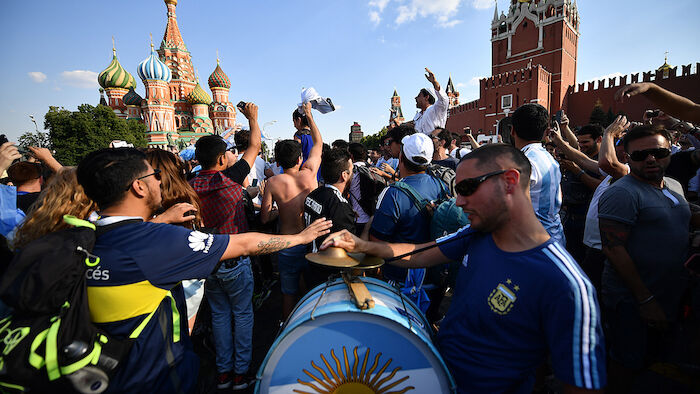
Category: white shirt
[591,233]
[362,216]
[434,116]
[545,189]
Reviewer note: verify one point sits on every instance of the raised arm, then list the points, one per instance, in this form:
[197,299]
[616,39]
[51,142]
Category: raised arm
[442,102]
[566,132]
[313,162]
[8,154]
[251,244]
[607,158]
[348,241]
[667,101]
[572,153]
[250,111]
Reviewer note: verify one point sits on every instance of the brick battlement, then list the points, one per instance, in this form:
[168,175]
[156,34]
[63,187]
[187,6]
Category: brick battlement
[470,106]
[648,76]
[517,76]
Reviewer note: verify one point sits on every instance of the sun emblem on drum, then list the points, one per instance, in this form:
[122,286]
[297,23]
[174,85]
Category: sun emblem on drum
[350,381]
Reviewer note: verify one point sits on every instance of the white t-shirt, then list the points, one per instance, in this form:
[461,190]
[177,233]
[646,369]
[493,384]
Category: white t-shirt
[434,116]
[591,233]
[362,216]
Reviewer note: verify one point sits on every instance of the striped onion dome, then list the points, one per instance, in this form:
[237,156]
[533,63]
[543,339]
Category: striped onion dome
[132,98]
[115,76]
[153,68]
[198,96]
[219,79]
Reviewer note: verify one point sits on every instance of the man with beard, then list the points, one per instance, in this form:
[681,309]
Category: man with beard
[519,295]
[644,223]
[329,201]
[432,114]
[133,292]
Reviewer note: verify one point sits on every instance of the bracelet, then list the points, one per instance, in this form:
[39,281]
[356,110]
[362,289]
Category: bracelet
[646,301]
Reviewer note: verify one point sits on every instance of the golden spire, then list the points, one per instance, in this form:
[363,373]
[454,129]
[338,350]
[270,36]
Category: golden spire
[114,50]
[151,35]
[217,57]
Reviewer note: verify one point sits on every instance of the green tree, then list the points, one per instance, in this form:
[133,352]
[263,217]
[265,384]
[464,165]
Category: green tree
[74,134]
[610,117]
[598,116]
[373,141]
[39,139]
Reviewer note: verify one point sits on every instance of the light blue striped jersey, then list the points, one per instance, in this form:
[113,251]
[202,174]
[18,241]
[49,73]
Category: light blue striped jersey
[510,310]
[545,189]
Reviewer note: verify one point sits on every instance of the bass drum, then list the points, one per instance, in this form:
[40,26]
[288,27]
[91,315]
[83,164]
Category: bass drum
[328,345]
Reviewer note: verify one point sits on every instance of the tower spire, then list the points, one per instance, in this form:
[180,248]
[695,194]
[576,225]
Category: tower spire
[151,35]
[495,10]
[114,50]
[171,37]
[217,57]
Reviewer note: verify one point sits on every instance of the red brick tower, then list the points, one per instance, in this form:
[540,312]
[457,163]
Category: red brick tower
[175,55]
[395,111]
[452,94]
[543,32]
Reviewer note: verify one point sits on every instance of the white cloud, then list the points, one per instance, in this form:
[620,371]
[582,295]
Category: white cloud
[443,11]
[80,78]
[482,4]
[37,76]
[475,81]
[374,17]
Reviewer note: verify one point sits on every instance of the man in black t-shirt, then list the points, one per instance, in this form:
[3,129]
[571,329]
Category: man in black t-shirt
[442,139]
[329,201]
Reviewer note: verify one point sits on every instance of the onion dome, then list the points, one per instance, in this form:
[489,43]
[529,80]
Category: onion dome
[132,98]
[173,2]
[219,79]
[665,67]
[115,76]
[198,96]
[153,68]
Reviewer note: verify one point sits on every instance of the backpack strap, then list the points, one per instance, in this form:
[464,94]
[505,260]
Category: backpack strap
[412,194]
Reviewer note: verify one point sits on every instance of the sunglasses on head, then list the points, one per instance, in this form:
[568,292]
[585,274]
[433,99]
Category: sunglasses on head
[641,155]
[467,187]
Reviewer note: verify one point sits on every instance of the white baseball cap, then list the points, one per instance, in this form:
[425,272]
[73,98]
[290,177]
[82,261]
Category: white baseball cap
[418,148]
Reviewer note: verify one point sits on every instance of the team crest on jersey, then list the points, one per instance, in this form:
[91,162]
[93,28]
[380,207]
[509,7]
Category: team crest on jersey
[502,298]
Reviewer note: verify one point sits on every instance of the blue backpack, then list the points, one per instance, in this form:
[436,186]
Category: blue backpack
[445,218]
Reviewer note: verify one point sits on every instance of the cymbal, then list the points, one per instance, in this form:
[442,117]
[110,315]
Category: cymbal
[332,257]
[366,261]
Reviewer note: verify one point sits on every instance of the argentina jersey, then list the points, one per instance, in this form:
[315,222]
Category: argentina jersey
[545,189]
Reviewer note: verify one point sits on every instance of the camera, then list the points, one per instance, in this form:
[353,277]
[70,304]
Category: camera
[241,105]
[3,139]
[652,113]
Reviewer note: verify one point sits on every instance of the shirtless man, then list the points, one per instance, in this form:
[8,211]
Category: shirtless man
[289,190]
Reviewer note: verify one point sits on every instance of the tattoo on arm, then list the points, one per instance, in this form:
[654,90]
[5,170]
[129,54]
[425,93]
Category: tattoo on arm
[613,233]
[272,245]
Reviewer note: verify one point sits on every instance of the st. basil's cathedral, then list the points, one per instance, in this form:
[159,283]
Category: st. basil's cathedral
[175,108]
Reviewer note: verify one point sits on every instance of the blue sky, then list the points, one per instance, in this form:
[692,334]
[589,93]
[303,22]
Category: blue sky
[354,51]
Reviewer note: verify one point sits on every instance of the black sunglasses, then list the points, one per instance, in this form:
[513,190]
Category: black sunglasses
[641,155]
[155,173]
[467,187]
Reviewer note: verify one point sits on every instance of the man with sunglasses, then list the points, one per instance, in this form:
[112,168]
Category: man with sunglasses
[519,295]
[644,226]
[141,265]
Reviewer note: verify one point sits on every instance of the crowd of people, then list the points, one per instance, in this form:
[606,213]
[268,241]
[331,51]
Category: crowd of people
[572,261]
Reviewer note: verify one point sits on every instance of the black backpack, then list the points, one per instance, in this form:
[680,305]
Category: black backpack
[445,174]
[48,343]
[371,185]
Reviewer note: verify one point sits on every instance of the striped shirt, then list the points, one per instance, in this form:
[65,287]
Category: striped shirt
[511,309]
[545,189]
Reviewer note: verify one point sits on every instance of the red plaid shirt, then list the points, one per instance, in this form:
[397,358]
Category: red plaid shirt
[223,207]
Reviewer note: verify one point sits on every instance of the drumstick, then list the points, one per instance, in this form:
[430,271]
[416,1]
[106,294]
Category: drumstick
[399,257]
